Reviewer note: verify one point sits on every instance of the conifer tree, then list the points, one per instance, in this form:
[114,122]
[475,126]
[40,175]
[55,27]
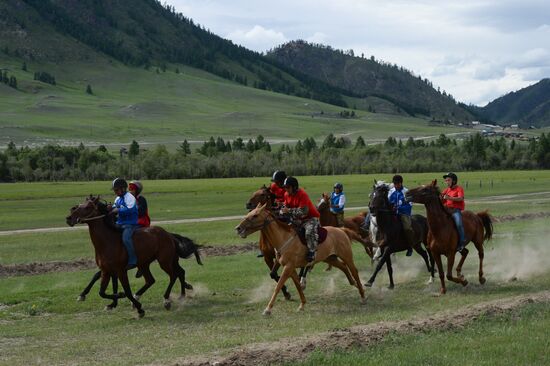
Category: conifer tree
[89,90]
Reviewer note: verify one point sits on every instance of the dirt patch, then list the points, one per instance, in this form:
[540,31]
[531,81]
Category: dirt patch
[524,216]
[36,268]
[364,336]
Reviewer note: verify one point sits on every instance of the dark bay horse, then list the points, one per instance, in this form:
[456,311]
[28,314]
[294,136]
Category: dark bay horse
[443,235]
[185,248]
[152,243]
[335,250]
[392,233]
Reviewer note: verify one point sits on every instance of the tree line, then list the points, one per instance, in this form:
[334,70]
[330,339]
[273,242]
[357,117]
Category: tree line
[218,158]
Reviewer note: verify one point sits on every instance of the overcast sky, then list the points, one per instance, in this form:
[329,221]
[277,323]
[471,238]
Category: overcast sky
[475,50]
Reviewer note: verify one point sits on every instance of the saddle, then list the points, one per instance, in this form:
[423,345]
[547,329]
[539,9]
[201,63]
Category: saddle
[321,232]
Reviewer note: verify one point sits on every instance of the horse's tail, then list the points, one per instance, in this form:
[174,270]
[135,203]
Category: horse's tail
[487,224]
[186,247]
[353,236]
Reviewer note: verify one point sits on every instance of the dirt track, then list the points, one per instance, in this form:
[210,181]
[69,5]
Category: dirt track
[364,336]
[207,250]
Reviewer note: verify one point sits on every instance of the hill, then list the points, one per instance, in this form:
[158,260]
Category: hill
[371,79]
[527,107]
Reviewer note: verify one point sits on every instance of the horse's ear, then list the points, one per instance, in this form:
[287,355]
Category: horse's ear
[375,181]
[264,187]
[434,182]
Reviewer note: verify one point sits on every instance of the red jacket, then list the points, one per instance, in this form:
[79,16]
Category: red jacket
[143,212]
[278,192]
[301,199]
[455,191]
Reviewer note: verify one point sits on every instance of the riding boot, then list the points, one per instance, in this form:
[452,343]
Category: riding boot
[410,239]
[310,256]
[139,273]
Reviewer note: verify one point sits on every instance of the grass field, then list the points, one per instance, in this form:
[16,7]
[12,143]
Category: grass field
[133,103]
[41,323]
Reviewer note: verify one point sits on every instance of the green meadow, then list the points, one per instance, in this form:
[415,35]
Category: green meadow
[168,107]
[41,322]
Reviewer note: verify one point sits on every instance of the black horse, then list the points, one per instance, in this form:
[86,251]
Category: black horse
[392,233]
[185,248]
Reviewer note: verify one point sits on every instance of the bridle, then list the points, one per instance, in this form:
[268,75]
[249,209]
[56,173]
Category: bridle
[84,220]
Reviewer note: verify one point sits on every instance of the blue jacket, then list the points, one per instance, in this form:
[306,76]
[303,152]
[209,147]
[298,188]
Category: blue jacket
[338,200]
[397,199]
[127,209]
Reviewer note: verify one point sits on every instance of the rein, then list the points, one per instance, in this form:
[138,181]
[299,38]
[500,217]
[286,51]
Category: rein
[87,219]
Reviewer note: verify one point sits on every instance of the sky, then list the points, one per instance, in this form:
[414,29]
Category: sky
[475,50]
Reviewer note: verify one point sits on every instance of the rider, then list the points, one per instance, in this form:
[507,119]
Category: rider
[126,208]
[277,188]
[396,196]
[453,197]
[299,206]
[135,187]
[337,202]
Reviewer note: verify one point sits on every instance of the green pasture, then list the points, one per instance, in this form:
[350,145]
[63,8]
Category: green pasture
[492,340]
[41,323]
[36,205]
[134,103]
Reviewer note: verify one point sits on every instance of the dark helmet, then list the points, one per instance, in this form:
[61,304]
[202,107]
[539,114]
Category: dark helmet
[339,186]
[119,183]
[291,182]
[397,179]
[138,185]
[451,175]
[278,176]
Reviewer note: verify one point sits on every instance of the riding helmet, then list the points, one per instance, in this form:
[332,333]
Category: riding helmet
[119,183]
[138,185]
[291,182]
[397,179]
[451,175]
[278,176]
[339,186]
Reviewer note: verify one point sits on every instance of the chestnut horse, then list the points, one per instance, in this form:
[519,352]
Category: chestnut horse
[393,236]
[443,235]
[353,223]
[152,243]
[335,250]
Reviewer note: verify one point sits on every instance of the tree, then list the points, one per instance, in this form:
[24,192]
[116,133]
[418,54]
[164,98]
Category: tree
[24,66]
[134,149]
[89,90]
[330,141]
[184,148]
[13,82]
[360,143]
[238,144]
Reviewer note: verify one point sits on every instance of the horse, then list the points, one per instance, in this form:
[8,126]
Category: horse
[264,196]
[185,248]
[392,233]
[335,250]
[353,223]
[151,243]
[443,235]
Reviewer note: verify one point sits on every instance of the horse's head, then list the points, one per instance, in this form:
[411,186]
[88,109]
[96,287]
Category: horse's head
[423,194]
[261,196]
[379,198]
[91,207]
[324,202]
[255,220]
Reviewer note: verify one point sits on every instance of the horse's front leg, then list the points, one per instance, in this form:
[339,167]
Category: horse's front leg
[390,272]
[464,254]
[123,276]
[274,267]
[86,290]
[437,259]
[298,285]
[287,271]
[381,262]
[103,288]
[450,265]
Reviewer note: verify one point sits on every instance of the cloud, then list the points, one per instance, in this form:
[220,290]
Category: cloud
[317,37]
[258,38]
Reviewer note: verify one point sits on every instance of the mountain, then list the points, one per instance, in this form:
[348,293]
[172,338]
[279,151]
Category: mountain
[527,107]
[141,33]
[369,78]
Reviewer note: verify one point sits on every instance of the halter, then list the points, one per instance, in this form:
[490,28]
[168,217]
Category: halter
[90,218]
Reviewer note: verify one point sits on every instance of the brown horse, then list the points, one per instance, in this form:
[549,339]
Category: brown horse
[443,235]
[353,223]
[335,250]
[152,243]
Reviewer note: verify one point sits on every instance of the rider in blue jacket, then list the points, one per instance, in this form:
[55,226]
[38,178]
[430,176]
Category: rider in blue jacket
[126,208]
[337,203]
[396,196]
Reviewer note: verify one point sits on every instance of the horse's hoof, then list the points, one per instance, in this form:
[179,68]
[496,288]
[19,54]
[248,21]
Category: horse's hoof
[300,308]
[108,307]
[167,304]
[141,313]
[391,287]
[81,298]
[368,284]
[188,286]
[430,280]
[482,280]
[363,301]
[136,297]
[464,283]
[266,312]
[287,296]
[442,291]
